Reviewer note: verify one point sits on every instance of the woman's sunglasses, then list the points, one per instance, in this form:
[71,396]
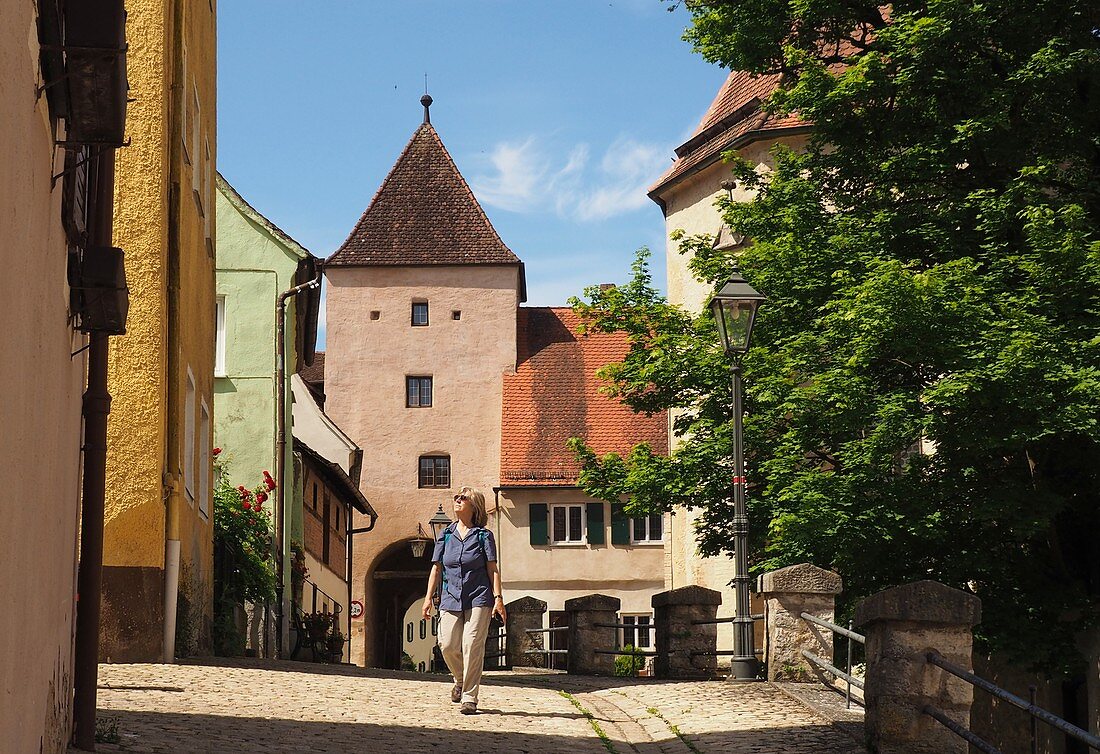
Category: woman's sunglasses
[461,497]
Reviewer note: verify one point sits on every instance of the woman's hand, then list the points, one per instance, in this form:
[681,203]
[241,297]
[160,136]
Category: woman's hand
[428,606]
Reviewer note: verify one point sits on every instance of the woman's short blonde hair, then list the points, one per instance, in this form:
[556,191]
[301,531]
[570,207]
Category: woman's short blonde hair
[481,516]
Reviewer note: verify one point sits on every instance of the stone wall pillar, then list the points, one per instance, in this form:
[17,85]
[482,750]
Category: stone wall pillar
[902,625]
[525,613]
[677,637]
[585,636]
[788,593]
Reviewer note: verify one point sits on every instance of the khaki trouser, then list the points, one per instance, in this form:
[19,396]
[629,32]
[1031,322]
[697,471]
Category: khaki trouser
[462,640]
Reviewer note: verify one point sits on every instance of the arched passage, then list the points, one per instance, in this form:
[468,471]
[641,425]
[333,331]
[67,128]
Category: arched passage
[396,581]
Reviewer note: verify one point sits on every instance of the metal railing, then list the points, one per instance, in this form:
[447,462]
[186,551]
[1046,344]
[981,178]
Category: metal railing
[546,652]
[1036,712]
[499,639]
[818,662]
[724,652]
[316,590]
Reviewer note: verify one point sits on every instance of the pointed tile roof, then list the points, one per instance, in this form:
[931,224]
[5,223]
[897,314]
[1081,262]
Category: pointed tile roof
[554,395]
[733,119]
[424,213]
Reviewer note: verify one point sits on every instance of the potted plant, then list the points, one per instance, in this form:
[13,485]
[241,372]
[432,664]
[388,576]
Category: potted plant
[318,625]
[336,644]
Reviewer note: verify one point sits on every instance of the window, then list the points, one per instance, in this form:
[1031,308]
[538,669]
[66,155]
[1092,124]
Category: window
[339,510]
[189,438]
[639,632]
[435,471]
[420,314]
[567,524]
[423,628]
[315,496]
[375,314]
[204,460]
[196,118]
[646,529]
[219,337]
[418,392]
[456,314]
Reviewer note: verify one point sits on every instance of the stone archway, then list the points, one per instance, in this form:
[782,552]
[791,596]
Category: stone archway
[396,582]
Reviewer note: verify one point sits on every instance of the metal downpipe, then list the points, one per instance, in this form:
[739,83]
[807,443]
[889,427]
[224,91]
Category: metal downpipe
[278,541]
[96,408]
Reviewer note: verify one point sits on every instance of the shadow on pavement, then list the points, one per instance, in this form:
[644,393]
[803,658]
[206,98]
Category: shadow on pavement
[171,732]
[211,734]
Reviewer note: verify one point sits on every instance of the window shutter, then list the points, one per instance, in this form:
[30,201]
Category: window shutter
[595,524]
[538,524]
[620,525]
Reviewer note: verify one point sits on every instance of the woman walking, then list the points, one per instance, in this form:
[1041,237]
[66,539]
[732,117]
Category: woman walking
[465,562]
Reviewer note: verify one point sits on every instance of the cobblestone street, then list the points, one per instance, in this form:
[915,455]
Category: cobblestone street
[249,706]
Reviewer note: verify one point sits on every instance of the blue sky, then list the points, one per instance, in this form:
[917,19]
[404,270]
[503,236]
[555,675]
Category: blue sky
[558,113]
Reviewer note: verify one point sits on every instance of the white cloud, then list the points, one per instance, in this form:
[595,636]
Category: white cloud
[530,177]
[519,169]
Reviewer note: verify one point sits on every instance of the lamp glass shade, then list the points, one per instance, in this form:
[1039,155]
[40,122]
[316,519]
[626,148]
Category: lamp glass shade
[734,309]
[418,546]
[439,521]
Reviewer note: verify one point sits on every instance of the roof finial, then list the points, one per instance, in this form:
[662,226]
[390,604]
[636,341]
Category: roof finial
[426,101]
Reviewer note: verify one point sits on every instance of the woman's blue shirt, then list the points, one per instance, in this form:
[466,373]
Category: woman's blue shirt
[466,581]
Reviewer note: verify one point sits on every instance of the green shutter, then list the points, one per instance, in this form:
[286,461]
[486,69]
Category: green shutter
[620,525]
[595,524]
[539,535]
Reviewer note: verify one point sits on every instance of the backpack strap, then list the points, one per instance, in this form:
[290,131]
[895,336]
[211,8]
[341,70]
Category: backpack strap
[442,568]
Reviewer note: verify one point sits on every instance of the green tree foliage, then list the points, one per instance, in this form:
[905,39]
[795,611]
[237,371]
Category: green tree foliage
[933,270]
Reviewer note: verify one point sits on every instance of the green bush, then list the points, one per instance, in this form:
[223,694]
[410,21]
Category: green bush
[628,665]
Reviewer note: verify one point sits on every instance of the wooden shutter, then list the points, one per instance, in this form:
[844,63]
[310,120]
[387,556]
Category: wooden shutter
[620,525]
[539,534]
[595,524]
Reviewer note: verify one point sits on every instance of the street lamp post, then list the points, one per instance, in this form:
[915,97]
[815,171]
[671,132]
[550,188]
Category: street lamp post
[439,521]
[734,308]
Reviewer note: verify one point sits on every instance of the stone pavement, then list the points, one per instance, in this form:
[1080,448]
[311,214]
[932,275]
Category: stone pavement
[275,707]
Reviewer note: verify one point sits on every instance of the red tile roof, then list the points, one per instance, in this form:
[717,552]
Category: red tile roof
[734,118]
[424,213]
[554,396]
[315,372]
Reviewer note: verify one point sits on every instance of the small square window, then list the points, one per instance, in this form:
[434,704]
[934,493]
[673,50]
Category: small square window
[375,314]
[456,314]
[647,529]
[418,392]
[435,471]
[420,314]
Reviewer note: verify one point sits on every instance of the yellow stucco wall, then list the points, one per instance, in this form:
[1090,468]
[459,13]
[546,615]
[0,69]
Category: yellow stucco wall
[164,189]
[40,397]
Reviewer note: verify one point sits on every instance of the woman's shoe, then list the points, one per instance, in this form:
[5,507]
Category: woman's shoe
[456,693]
[468,708]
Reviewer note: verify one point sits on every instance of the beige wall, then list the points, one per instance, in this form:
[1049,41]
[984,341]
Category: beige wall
[366,363]
[689,206]
[555,573]
[40,390]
